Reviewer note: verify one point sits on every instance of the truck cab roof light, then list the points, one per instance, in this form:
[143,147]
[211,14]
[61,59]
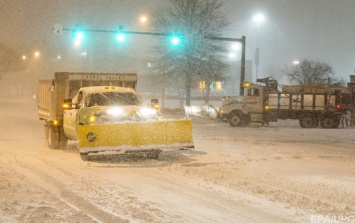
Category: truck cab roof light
[246,84]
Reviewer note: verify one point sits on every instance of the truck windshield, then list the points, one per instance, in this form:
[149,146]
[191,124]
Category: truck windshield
[112,99]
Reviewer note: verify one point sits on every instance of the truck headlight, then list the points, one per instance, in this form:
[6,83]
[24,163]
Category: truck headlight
[148,111]
[92,119]
[115,111]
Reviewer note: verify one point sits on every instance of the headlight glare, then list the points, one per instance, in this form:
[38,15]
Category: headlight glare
[148,111]
[92,119]
[115,111]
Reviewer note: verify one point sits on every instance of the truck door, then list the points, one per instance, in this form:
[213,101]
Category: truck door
[254,102]
[70,116]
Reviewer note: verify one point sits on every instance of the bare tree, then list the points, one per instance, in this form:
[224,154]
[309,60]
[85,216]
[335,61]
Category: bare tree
[310,72]
[195,58]
[275,72]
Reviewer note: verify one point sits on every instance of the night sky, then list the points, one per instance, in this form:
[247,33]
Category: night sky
[322,30]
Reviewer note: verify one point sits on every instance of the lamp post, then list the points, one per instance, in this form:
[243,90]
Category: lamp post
[36,54]
[143,19]
[258,19]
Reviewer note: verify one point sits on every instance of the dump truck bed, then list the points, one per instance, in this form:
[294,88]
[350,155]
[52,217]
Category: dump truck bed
[51,93]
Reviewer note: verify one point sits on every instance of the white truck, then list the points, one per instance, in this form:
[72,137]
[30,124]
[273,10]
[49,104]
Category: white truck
[311,105]
[106,115]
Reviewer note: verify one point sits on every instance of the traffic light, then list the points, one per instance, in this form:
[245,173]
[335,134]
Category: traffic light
[120,35]
[78,34]
[176,38]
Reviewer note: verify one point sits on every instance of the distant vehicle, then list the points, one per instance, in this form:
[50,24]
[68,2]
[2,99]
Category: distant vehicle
[312,105]
[107,116]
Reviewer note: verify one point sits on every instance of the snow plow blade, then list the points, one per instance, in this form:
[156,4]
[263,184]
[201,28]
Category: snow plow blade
[121,138]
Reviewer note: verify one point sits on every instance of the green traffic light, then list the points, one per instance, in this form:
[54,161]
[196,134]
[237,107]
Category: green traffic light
[120,37]
[175,40]
[79,35]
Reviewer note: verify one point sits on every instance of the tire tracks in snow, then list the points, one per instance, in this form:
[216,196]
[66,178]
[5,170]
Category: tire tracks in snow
[208,200]
[100,194]
[65,194]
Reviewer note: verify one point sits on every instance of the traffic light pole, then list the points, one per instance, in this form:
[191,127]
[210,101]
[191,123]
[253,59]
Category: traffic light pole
[240,40]
[119,31]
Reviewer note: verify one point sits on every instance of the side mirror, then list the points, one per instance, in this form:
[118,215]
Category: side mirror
[75,106]
[154,103]
[67,105]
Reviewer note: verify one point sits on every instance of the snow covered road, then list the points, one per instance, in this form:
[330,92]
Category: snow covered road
[280,173]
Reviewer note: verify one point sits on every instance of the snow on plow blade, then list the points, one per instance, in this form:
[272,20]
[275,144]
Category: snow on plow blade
[135,136]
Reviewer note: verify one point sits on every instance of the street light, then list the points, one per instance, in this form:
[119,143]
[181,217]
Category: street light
[76,43]
[258,19]
[143,19]
[37,54]
[232,55]
[296,62]
[236,46]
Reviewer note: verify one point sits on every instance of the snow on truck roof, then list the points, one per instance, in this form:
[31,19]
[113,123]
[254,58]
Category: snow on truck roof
[99,89]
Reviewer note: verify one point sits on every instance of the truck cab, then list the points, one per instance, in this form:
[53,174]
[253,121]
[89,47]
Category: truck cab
[312,105]
[104,105]
[241,110]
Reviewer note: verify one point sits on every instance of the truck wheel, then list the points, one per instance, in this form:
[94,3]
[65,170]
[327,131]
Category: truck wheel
[308,121]
[329,122]
[245,120]
[235,119]
[315,122]
[336,122]
[52,137]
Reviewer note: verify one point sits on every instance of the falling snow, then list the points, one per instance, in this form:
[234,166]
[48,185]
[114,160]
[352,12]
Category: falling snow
[280,173]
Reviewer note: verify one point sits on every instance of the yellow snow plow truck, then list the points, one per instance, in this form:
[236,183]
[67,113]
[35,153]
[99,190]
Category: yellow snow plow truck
[107,116]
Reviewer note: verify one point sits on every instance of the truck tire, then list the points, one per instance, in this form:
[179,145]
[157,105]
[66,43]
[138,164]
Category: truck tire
[245,120]
[52,136]
[308,121]
[330,122]
[56,139]
[235,119]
